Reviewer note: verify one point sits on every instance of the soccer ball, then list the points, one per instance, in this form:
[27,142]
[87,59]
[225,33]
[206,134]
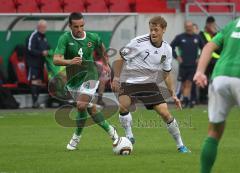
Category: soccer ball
[122,146]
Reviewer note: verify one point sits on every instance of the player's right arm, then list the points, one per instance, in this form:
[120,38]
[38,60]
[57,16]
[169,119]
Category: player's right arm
[58,58]
[126,53]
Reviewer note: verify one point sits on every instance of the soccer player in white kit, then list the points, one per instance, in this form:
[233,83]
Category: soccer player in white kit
[224,90]
[136,72]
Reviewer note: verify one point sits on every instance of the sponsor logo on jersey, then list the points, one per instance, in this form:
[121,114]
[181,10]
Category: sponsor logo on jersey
[235,35]
[156,52]
[184,41]
[195,40]
[89,44]
[163,58]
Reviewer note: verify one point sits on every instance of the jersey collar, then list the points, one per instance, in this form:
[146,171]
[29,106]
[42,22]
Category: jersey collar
[154,45]
[75,38]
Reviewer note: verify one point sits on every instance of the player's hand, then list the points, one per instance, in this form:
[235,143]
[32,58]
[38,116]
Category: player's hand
[76,61]
[107,68]
[200,79]
[45,53]
[179,59]
[177,102]
[115,84]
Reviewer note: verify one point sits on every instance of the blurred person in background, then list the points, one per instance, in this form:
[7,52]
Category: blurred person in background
[37,49]
[188,44]
[2,78]
[195,28]
[210,30]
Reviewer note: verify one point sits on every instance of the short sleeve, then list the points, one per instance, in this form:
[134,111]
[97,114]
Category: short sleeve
[130,51]
[166,60]
[61,46]
[218,39]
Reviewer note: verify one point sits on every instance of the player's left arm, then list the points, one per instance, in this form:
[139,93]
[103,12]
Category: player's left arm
[169,83]
[105,58]
[200,78]
[167,67]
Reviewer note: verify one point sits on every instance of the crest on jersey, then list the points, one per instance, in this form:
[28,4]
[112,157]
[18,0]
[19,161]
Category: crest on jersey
[195,40]
[163,58]
[89,44]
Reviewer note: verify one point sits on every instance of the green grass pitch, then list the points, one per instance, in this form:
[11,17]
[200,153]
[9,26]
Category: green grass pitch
[32,142]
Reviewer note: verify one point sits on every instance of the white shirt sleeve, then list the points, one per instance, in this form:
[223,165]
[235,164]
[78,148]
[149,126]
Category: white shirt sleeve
[130,51]
[167,62]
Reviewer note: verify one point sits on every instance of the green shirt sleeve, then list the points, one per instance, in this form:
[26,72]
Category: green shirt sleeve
[61,46]
[218,39]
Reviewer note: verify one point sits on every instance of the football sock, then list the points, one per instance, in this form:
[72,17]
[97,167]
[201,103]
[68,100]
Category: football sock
[80,120]
[35,92]
[99,119]
[208,154]
[185,101]
[126,122]
[175,132]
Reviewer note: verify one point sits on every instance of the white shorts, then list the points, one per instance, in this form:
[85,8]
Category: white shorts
[88,88]
[224,93]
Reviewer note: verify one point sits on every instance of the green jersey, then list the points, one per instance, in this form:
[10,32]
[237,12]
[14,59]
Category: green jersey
[229,40]
[70,47]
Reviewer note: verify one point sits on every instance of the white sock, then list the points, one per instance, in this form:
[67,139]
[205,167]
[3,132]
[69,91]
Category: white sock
[126,122]
[175,132]
[76,136]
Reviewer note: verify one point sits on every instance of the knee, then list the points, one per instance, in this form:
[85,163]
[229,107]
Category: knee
[124,108]
[81,106]
[92,111]
[163,112]
[216,130]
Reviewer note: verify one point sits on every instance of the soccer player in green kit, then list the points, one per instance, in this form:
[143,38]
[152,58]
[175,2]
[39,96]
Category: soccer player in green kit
[224,90]
[75,51]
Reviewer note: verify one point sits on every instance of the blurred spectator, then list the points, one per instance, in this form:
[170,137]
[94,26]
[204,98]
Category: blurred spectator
[210,30]
[194,88]
[188,44]
[17,70]
[37,49]
[2,78]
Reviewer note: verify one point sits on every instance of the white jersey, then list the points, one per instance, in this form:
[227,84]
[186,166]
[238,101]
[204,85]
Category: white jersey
[144,61]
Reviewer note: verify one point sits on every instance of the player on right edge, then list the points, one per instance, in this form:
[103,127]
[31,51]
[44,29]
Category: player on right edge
[224,90]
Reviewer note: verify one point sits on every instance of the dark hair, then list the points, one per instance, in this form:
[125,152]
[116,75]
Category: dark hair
[210,19]
[74,16]
[158,20]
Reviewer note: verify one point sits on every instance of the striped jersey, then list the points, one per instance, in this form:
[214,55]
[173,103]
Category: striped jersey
[144,61]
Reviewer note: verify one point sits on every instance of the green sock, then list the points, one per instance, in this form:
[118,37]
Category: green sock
[99,119]
[80,120]
[208,155]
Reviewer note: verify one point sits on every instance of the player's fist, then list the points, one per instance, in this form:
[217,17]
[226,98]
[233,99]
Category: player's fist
[76,61]
[200,79]
[45,53]
[179,59]
[115,84]
[177,102]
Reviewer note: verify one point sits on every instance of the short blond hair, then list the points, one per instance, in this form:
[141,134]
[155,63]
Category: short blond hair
[42,22]
[158,20]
